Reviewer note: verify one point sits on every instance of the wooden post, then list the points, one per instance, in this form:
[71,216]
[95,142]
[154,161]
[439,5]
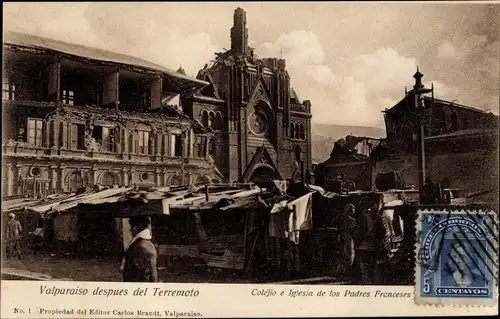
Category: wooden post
[207,193]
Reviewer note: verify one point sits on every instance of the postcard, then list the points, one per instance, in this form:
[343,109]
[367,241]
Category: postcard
[251,159]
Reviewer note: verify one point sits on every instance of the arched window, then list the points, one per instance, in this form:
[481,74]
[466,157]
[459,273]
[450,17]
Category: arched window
[292,130]
[297,153]
[302,132]
[108,179]
[297,131]
[175,180]
[204,118]
[76,181]
[211,119]
[200,180]
[212,147]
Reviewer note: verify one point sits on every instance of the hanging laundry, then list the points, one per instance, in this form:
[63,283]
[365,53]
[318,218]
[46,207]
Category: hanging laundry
[280,186]
[300,217]
[278,207]
[278,223]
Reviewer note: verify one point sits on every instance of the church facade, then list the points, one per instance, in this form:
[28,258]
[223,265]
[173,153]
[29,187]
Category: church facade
[261,128]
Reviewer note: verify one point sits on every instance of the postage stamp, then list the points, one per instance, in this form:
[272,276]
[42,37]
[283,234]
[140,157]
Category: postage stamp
[457,257]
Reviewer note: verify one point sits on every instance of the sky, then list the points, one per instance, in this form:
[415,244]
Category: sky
[352,60]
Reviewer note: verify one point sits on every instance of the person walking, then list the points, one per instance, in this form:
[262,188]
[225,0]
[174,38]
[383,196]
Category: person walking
[140,258]
[12,236]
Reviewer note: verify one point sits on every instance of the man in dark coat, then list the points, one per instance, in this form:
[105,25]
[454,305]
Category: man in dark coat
[139,263]
[371,244]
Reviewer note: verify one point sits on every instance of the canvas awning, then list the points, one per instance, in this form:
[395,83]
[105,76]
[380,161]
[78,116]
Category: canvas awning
[90,198]
[34,204]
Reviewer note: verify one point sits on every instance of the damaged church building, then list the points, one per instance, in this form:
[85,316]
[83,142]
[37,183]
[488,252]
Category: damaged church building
[76,117]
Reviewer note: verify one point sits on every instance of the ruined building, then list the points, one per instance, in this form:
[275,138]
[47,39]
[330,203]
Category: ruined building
[74,117]
[262,129]
[461,145]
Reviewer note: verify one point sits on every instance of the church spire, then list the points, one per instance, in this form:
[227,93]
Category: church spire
[239,32]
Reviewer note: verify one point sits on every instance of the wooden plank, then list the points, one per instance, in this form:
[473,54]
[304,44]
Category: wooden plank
[232,261]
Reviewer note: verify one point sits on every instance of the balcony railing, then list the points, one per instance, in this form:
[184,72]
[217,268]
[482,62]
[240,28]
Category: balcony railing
[19,149]
[29,103]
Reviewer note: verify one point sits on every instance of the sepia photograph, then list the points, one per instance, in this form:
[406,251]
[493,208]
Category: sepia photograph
[328,143]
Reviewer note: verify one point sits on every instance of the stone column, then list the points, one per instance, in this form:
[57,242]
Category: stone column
[166,150]
[125,176]
[118,140]
[158,177]
[165,177]
[10,179]
[185,144]
[54,83]
[156,92]
[61,178]
[47,133]
[124,134]
[191,143]
[207,144]
[158,146]
[131,138]
[93,176]
[68,136]
[55,147]
[64,136]
[131,179]
[53,181]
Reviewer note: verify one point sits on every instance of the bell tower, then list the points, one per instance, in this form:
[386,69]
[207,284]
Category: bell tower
[239,33]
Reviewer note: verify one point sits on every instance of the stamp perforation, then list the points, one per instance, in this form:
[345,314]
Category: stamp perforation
[486,252]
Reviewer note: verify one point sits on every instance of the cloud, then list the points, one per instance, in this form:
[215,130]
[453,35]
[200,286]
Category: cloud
[468,69]
[191,51]
[109,28]
[371,82]
[464,48]
[446,91]
[349,81]
[447,50]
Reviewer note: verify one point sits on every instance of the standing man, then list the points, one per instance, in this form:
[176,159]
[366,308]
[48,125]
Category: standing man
[139,262]
[12,236]
[347,226]
[371,244]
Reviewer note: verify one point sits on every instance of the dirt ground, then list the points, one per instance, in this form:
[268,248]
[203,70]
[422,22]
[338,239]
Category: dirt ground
[105,269]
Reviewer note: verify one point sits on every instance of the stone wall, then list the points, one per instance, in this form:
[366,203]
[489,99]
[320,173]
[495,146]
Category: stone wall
[474,171]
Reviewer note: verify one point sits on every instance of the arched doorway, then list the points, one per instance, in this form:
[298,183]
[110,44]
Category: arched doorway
[263,175]
[109,179]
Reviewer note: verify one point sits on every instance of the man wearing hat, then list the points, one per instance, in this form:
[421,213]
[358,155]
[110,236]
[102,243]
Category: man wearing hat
[139,262]
[12,235]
